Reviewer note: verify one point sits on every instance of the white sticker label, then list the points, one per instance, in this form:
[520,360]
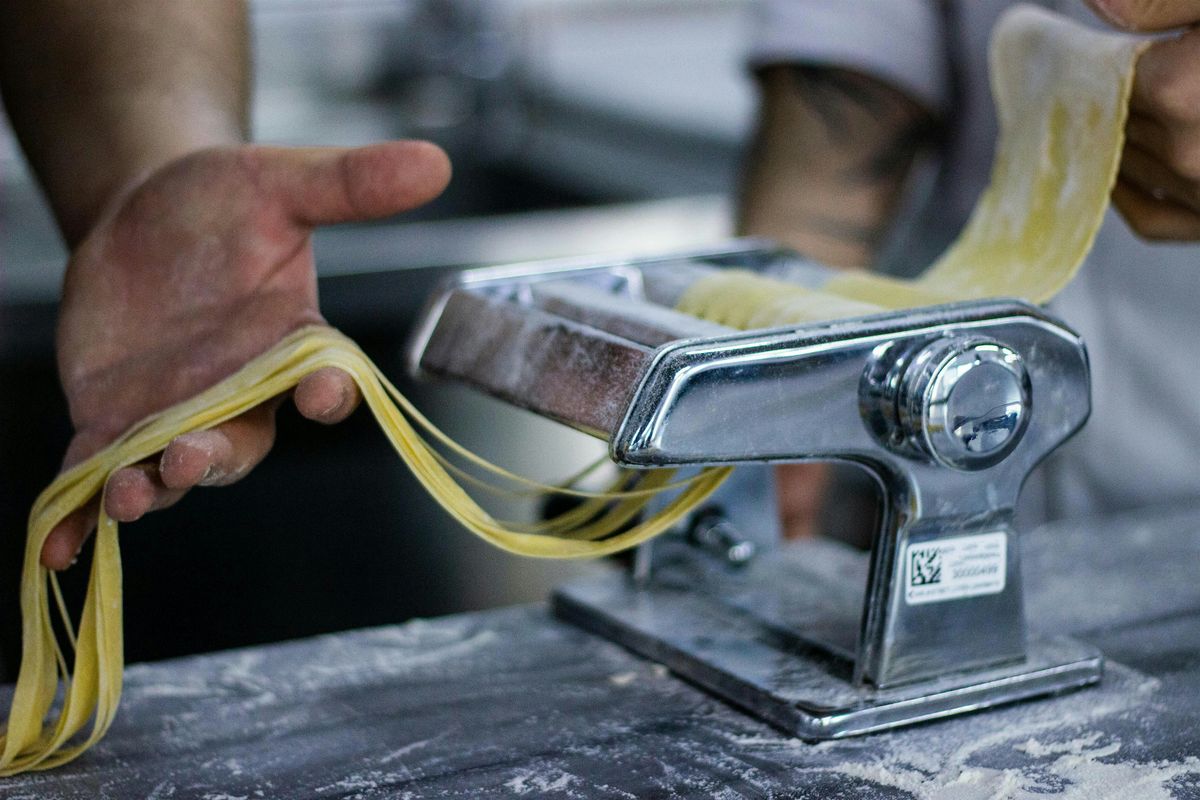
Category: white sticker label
[950,569]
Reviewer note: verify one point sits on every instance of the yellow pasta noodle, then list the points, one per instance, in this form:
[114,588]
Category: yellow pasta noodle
[1061,93]
[92,691]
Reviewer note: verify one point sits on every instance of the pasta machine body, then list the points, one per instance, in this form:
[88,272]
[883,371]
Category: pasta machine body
[948,407]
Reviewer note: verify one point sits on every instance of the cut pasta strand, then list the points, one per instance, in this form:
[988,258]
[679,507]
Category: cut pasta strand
[603,524]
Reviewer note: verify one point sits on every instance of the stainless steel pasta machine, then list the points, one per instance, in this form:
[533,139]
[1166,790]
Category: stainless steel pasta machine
[949,407]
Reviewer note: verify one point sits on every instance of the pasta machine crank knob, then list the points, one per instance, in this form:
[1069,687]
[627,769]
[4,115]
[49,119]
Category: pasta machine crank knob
[963,401]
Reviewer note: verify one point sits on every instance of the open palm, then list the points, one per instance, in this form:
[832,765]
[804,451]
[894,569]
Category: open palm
[198,269]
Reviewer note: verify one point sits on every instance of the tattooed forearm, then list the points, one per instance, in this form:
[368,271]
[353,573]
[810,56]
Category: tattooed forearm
[829,161]
[833,93]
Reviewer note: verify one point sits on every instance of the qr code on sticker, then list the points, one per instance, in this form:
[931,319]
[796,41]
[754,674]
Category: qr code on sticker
[925,566]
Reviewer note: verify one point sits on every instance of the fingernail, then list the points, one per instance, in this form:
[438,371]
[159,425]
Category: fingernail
[1105,11]
[337,404]
[74,560]
[210,475]
[204,441]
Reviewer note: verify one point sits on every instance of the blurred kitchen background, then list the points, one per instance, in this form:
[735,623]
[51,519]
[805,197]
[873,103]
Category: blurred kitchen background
[575,127]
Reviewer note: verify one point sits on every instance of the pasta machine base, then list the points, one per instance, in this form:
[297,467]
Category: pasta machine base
[749,636]
[949,408]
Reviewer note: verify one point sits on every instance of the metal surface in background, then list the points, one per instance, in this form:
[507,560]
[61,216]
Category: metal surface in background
[778,639]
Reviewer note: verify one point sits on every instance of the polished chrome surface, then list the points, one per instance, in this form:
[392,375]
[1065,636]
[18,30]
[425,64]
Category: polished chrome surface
[973,404]
[948,407]
[963,401]
[747,634]
[711,529]
[568,339]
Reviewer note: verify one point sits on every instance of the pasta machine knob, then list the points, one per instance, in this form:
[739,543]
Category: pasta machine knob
[962,401]
[966,401]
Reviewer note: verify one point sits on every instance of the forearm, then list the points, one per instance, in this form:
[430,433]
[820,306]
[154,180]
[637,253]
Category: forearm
[102,92]
[829,161]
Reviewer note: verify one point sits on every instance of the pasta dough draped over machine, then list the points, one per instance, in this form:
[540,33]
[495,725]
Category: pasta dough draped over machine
[949,407]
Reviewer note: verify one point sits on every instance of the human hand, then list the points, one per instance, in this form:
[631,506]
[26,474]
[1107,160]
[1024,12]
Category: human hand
[194,271]
[801,491]
[1158,189]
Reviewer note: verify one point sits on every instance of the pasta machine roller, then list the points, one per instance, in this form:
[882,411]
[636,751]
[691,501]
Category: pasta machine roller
[948,407]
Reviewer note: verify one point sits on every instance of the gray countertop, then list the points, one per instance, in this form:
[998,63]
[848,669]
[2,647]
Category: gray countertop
[515,703]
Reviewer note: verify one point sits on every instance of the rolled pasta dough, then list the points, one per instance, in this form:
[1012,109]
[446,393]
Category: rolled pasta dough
[1061,92]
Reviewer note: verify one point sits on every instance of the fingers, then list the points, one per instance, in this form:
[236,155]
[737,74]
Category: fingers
[1147,15]
[1158,179]
[197,458]
[323,186]
[801,491]
[1159,188]
[221,455]
[215,457]
[134,491]
[63,544]
[131,493]
[1155,219]
[327,396]
[1166,82]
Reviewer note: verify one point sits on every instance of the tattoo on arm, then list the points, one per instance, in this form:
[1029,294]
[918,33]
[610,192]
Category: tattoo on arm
[829,160]
[835,95]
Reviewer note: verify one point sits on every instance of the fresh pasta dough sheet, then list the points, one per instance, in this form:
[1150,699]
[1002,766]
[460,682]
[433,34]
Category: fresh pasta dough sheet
[1061,92]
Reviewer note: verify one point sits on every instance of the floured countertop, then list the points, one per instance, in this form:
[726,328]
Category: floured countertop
[514,703]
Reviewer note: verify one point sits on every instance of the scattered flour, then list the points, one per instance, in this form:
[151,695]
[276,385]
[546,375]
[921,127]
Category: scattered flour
[1073,769]
[409,748]
[1036,749]
[531,781]
[390,661]
[162,791]
[1078,774]
[360,784]
[1051,748]
[622,678]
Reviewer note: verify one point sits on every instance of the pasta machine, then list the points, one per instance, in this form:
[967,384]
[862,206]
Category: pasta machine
[948,407]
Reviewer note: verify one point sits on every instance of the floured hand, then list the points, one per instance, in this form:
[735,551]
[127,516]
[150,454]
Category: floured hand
[1159,188]
[191,273]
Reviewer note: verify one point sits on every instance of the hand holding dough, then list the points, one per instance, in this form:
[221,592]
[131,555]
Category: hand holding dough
[1158,191]
[191,272]
[1062,96]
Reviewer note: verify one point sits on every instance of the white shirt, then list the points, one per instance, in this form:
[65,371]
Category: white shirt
[1136,304]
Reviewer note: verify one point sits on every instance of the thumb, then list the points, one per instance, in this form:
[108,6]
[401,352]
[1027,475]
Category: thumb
[327,185]
[85,444]
[1147,15]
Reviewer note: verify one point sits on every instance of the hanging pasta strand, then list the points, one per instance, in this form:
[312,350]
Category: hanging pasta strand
[90,689]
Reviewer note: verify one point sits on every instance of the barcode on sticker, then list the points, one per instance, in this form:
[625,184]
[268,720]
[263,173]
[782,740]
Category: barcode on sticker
[954,568]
